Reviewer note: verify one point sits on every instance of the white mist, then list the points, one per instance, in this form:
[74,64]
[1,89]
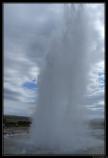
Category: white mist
[59,123]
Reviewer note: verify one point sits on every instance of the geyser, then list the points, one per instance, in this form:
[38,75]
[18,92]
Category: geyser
[59,123]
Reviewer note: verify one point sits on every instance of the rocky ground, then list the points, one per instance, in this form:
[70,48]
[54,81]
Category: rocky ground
[15,130]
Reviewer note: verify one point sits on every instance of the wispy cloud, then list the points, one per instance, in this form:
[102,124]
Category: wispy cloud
[28,29]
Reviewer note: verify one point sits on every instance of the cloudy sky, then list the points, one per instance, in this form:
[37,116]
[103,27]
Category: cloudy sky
[28,29]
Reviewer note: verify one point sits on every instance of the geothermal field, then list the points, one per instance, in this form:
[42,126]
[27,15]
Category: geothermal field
[60,122]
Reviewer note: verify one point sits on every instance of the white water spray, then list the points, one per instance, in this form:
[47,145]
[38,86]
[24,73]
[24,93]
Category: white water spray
[59,123]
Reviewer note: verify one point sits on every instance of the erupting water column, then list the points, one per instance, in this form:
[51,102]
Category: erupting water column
[59,121]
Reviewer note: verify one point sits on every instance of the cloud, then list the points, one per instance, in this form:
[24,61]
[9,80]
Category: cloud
[96,73]
[95,98]
[28,31]
[17,108]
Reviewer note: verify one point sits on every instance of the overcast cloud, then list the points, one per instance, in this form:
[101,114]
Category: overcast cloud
[28,30]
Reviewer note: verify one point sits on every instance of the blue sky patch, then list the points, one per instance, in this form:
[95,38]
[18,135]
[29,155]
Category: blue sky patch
[101,79]
[30,85]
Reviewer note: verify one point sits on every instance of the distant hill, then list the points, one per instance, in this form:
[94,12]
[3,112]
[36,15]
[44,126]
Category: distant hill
[13,120]
[97,123]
